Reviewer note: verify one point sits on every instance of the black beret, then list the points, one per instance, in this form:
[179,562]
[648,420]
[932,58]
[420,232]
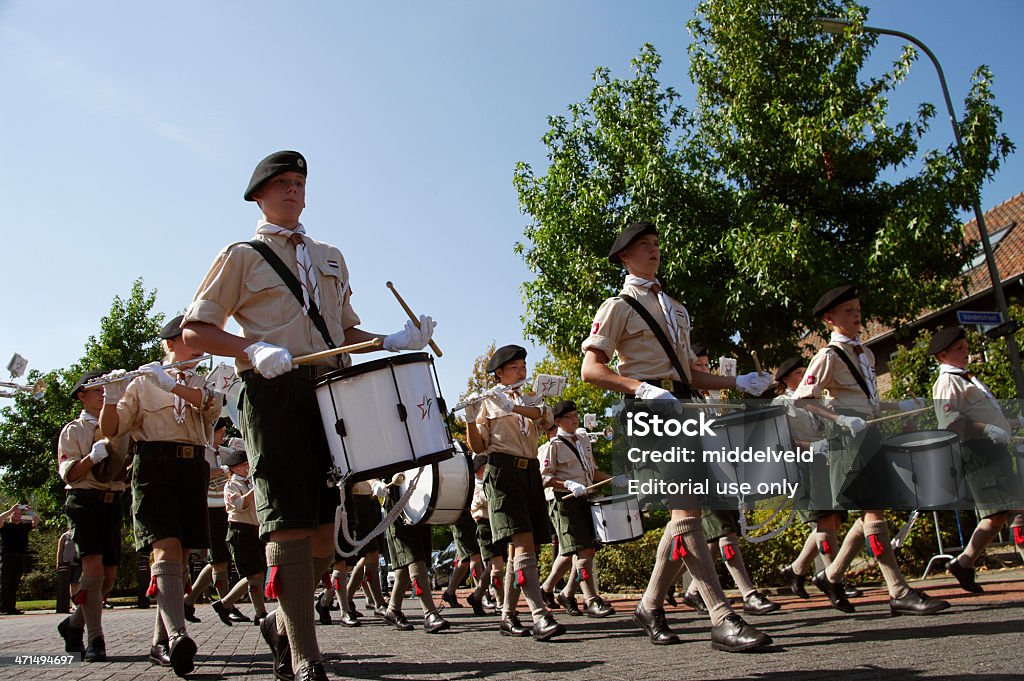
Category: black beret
[85,378]
[632,231]
[172,329]
[275,164]
[943,338]
[222,422]
[479,461]
[787,367]
[836,296]
[232,457]
[564,407]
[700,350]
[504,355]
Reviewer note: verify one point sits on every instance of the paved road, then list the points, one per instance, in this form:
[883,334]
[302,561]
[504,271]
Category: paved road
[980,637]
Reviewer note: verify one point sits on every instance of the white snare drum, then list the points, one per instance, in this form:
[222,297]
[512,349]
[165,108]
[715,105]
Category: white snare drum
[443,491]
[384,416]
[765,430]
[616,519]
[927,470]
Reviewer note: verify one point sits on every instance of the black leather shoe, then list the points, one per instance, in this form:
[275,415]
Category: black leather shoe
[96,650]
[237,615]
[451,600]
[222,612]
[398,620]
[916,602]
[314,671]
[73,636]
[547,628]
[323,612]
[670,598]
[190,614]
[735,636]
[488,601]
[653,622]
[279,647]
[834,592]
[965,576]
[182,652]
[549,598]
[796,582]
[569,603]
[597,608]
[695,601]
[349,619]
[257,618]
[758,604]
[851,590]
[434,623]
[478,607]
[380,610]
[158,655]
[511,626]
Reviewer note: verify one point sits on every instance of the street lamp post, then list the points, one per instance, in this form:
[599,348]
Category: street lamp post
[838,27]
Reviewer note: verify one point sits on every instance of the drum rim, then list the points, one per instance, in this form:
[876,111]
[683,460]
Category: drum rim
[604,501]
[374,365]
[432,501]
[949,437]
[751,416]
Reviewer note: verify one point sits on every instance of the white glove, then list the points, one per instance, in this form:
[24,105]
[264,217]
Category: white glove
[854,424]
[646,391]
[411,338]
[113,391]
[380,490]
[819,447]
[472,408]
[501,400]
[270,361]
[156,373]
[754,383]
[99,451]
[996,434]
[912,403]
[575,488]
[620,480]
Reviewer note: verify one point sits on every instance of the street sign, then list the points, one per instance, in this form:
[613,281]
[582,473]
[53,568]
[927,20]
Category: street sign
[968,317]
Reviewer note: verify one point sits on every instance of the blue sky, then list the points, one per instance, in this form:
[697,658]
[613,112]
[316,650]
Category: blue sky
[130,131]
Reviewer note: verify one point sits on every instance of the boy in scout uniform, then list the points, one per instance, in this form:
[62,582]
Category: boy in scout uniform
[646,372]
[94,508]
[170,414]
[846,369]
[467,549]
[568,469]
[965,405]
[560,564]
[506,429]
[280,416]
[492,554]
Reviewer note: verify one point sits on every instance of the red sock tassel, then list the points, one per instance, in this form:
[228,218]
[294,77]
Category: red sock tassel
[272,590]
[82,596]
[1018,536]
[877,548]
[520,578]
[153,590]
[473,571]
[496,583]
[325,580]
[678,548]
[824,548]
[583,575]
[728,552]
[416,588]
[337,584]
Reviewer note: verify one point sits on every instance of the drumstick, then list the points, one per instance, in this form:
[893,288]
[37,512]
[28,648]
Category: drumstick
[307,359]
[598,484]
[757,362]
[413,317]
[912,412]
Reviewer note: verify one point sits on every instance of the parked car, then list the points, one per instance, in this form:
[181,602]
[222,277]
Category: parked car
[442,565]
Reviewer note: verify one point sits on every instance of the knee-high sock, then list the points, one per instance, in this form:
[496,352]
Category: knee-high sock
[511,587]
[371,580]
[255,587]
[1017,533]
[169,596]
[664,574]
[202,583]
[398,590]
[497,571]
[528,579]
[586,578]
[980,538]
[480,577]
[159,630]
[877,533]
[828,544]
[295,582]
[559,566]
[684,540]
[730,545]
[91,595]
[220,583]
[421,586]
[78,615]
[355,581]
[807,554]
[458,575]
[108,584]
[237,591]
[853,542]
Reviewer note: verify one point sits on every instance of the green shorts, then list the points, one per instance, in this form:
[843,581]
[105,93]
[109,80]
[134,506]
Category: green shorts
[573,524]
[218,534]
[488,547]
[363,511]
[247,550]
[515,493]
[991,480]
[95,518]
[288,452]
[169,495]
[464,533]
[718,524]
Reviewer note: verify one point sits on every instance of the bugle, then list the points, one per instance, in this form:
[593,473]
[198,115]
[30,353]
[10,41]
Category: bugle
[37,389]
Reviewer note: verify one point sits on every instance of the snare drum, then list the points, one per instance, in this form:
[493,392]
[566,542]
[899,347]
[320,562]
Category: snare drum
[764,430]
[384,416]
[926,470]
[443,491]
[616,519]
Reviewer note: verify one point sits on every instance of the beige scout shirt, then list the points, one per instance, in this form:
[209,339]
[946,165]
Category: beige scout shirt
[234,490]
[618,329]
[243,285]
[75,443]
[511,433]
[362,488]
[828,372]
[147,413]
[955,396]
[803,425]
[557,460]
